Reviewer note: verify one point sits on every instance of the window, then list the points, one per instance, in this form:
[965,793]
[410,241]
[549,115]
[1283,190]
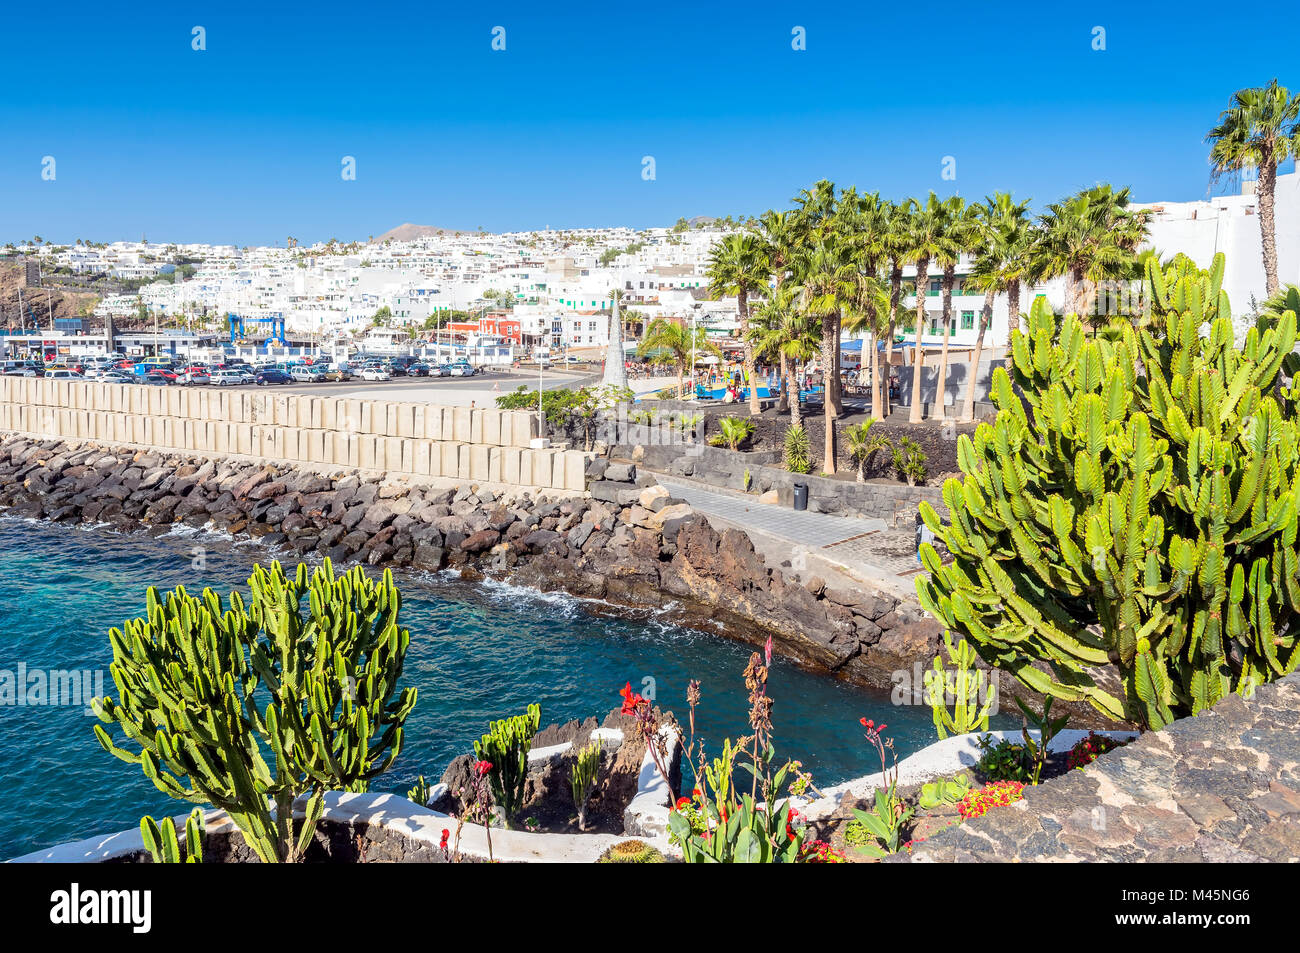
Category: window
[967,320]
[936,286]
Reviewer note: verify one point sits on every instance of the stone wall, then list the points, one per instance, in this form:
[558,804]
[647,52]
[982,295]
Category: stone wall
[1223,786]
[629,543]
[895,503]
[419,439]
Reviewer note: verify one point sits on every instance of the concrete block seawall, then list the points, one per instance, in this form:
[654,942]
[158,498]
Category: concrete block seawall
[420,439]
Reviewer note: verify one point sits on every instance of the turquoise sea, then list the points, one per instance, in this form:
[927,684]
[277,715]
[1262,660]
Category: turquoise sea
[478,652]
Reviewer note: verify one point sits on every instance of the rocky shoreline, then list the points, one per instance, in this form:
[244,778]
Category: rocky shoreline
[627,542]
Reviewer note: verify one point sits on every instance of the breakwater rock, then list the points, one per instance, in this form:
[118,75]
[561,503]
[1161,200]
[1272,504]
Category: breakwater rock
[627,541]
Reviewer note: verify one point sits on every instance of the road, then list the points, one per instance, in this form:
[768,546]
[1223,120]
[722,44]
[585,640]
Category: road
[481,389]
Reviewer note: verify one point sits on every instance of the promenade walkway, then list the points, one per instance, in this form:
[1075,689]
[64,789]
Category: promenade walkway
[865,549]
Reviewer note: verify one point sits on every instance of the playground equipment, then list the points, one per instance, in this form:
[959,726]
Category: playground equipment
[276,321]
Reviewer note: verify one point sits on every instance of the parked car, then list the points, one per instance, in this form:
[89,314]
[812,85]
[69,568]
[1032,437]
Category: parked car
[303,374]
[272,376]
[62,374]
[226,377]
[159,379]
[20,369]
[194,374]
[418,369]
[336,372]
[116,377]
[462,369]
[375,372]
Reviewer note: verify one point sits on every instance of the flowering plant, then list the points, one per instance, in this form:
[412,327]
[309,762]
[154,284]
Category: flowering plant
[878,829]
[721,823]
[997,794]
[1088,749]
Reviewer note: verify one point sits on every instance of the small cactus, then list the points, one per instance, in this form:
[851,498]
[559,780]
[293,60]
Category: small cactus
[632,852]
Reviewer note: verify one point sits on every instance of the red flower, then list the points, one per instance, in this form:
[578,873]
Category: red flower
[483,767]
[683,802]
[446,835]
[630,699]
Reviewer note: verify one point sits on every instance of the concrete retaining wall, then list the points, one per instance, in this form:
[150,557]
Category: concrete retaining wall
[419,439]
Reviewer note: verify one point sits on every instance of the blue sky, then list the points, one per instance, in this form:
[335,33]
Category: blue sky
[243,142]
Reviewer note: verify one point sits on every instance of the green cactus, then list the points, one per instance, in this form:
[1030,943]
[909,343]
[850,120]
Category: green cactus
[632,852]
[235,706]
[506,747]
[582,778]
[1133,504]
[420,793]
[161,843]
[965,684]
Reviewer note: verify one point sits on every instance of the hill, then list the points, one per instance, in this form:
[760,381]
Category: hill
[409,233]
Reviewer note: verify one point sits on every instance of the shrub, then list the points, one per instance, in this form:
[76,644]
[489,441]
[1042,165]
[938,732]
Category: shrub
[944,791]
[734,431]
[1133,505]
[798,450]
[206,692]
[1004,760]
[1089,749]
[862,444]
[909,460]
[505,747]
[997,794]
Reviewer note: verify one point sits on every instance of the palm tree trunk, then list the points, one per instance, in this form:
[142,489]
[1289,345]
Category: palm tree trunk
[873,368]
[742,301]
[796,409]
[784,403]
[941,384]
[895,292]
[986,315]
[1264,188]
[835,391]
[922,271]
[1013,308]
[830,359]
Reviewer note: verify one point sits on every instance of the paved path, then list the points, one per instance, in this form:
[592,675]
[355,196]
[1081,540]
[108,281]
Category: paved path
[867,549]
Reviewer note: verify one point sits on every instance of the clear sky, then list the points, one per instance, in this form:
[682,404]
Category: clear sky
[244,141]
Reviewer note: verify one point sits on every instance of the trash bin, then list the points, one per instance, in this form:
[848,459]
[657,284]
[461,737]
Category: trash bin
[801,496]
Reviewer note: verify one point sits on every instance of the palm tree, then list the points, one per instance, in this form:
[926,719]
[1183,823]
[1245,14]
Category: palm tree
[738,264]
[1259,129]
[862,444]
[926,242]
[677,340]
[780,235]
[1002,238]
[1090,237]
[818,219]
[830,285]
[958,226]
[898,228]
[789,337]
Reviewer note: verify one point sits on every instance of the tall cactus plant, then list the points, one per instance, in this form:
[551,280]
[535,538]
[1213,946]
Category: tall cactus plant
[1134,504]
[505,747]
[258,703]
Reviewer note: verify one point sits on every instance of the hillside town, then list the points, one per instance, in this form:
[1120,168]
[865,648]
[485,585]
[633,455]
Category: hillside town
[496,298]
